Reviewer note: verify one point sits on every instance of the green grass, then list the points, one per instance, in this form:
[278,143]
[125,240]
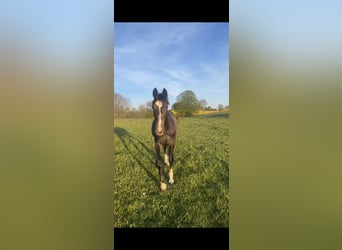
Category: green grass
[198,198]
[223,114]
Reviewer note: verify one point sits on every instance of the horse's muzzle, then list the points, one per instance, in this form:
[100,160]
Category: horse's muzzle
[159,133]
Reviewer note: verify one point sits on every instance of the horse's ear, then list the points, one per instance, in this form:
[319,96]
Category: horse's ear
[155,93]
[164,93]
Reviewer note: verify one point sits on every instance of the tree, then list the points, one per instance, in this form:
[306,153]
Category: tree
[179,107]
[220,107]
[186,104]
[145,111]
[121,104]
[142,110]
[203,104]
[149,112]
[149,106]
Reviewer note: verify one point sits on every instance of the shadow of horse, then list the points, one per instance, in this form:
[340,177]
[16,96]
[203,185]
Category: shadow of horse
[128,139]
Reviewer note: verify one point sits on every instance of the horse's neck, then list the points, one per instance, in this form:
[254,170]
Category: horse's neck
[170,122]
[168,117]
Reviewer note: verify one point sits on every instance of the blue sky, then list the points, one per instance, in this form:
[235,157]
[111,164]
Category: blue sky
[299,33]
[64,32]
[175,56]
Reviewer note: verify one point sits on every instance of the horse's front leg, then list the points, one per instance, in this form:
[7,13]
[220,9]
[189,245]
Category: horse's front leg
[159,165]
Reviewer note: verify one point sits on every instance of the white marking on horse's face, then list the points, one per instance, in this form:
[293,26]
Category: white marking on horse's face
[159,122]
[167,160]
[171,180]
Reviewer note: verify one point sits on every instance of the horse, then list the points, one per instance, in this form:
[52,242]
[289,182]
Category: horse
[164,131]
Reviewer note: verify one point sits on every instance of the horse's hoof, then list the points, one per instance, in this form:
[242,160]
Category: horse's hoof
[163,186]
[171,181]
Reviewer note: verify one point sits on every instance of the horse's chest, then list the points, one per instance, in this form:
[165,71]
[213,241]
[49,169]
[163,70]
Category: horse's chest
[165,139]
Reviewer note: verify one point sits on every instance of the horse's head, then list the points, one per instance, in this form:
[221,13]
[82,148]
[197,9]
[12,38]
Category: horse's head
[159,107]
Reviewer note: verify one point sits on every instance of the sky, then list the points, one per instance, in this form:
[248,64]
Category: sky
[301,33]
[175,56]
[62,31]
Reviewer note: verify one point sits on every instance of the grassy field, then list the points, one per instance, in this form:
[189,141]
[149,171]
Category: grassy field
[198,198]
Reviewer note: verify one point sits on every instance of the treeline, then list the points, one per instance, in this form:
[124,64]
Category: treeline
[123,109]
[186,105]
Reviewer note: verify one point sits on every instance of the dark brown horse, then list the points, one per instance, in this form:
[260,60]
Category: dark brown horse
[164,130]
